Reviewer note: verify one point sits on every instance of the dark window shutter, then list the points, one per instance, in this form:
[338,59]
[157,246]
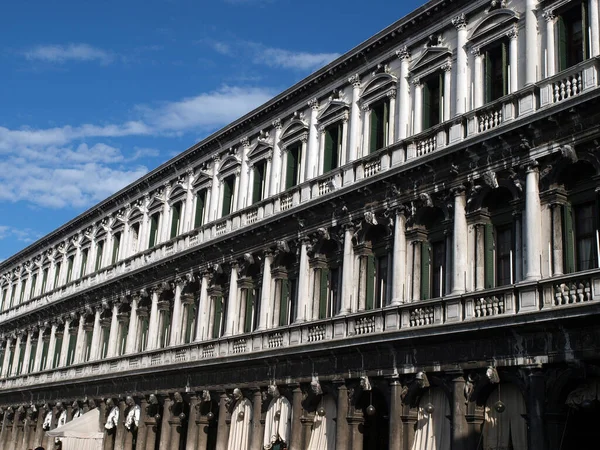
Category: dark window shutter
[115,250]
[425,263]
[323,297]
[585,29]
[562,43]
[189,325]
[504,68]
[291,173]
[200,200]
[227,196]
[257,184]
[105,336]
[57,351]
[370,292]
[71,351]
[375,126]
[426,106]
[84,257]
[328,151]
[153,230]
[217,318]
[441,97]
[488,245]
[31,362]
[568,239]
[489,77]
[249,310]
[144,333]
[283,302]
[45,347]
[175,219]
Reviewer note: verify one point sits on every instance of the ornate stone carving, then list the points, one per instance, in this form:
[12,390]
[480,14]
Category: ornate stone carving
[365,383]
[403,53]
[460,21]
[354,80]
[489,178]
[313,103]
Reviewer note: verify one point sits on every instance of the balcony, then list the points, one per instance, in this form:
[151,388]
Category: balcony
[570,295]
[491,118]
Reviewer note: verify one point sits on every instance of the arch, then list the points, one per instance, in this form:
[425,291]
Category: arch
[376,425]
[494,20]
[377,83]
[228,163]
[322,436]
[506,429]
[429,216]
[433,426]
[175,193]
[294,130]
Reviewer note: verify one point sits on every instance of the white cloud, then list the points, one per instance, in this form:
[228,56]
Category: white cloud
[70,52]
[286,59]
[58,167]
[23,235]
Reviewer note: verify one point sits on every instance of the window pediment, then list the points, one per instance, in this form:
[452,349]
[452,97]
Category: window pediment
[494,25]
[263,147]
[294,131]
[201,178]
[379,86]
[228,164]
[432,59]
[335,111]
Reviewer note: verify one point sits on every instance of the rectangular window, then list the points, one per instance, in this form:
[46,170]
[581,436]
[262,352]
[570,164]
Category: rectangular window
[69,268]
[175,219]
[22,291]
[496,71]
[44,280]
[57,268]
[57,350]
[284,303]
[380,118]
[31,362]
[586,252]
[144,326]
[249,311]
[504,245]
[71,349]
[11,355]
[438,261]
[104,342]
[99,254]
[190,323]
[381,280]
[116,247]
[292,171]
[200,206]
[228,192]
[217,320]
[33,285]
[153,235]
[4,294]
[333,147]
[45,347]
[88,345]
[135,237]
[433,94]
[21,357]
[12,295]
[572,26]
[84,258]
[122,341]
[258,185]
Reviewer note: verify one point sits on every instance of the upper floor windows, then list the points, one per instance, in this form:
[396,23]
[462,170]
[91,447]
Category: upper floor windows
[496,70]
[44,280]
[116,247]
[293,167]
[433,100]
[332,147]
[176,217]
[69,274]
[259,181]
[573,39]
[153,234]
[199,216]
[379,125]
[228,195]
[84,261]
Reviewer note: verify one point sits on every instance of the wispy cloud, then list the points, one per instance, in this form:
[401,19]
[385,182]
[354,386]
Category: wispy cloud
[22,235]
[70,52]
[287,59]
[59,167]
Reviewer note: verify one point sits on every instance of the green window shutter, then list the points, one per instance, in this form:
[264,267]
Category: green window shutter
[144,334]
[165,332]
[426,106]
[22,294]
[283,302]
[441,97]
[257,184]
[31,362]
[249,310]
[88,345]
[153,231]
[105,336]
[291,171]
[10,361]
[45,347]
[488,245]
[57,351]
[504,68]
[200,200]
[375,126]
[71,351]
[585,29]
[323,297]
[561,28]
[189,326]
[99,251]
[33,283]
[115,249]
[56,277]
[44,280]
[489,77]
[386,123]
[69,268]
[370,288]
[21,358]
[175,219]
[568,239]
[227,197]
[217,318]
[425,263]
[328,151]
[84,257]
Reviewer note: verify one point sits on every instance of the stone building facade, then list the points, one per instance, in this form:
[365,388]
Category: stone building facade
[401,251]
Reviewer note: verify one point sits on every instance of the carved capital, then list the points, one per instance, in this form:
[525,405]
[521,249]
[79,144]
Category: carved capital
[313,104]
[548,15]
[354,80]
[277,123]
[403,53]
[460,22]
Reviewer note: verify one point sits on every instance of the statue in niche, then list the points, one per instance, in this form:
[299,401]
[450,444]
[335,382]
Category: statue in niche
[62,414]
[365,384]
[278,421]
[113,416]
[132,420]
[77,411]
[241,422]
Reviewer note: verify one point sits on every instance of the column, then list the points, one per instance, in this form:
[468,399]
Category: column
[188,223]
[165,426]
[462,79]
[142,431]
[536,397]
[404,92]
[151,431]
[342,429]
[232,303]
[214,192]
[131,342]
[513,34]
[222,428]
[176,322]
[276,166]
[347,272]
[64,351]
[38,440]
[395,441]
[418,106]
[79,343]
[594,27]
[352,150]
[416,270]
[258,429]
[15,363]
[460,249]
[312,160]
[265,292]
[153,322]
[27,354]
[459,428]
[95,351]
[296,433]
[191,439]
[478,78]
[392,121]
[203,305]
[120,431]
[531,44]
[533,225]
[202,424]
[242,188]
[447,68]
[51,350]
[39,350]
[114,331]
[302,283]
[366,120]
[6,362]
[550,43]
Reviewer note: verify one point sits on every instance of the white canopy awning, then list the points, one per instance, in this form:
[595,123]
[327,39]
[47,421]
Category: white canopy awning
[86,426]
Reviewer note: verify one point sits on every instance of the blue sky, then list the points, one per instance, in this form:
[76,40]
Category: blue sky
[93,95]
